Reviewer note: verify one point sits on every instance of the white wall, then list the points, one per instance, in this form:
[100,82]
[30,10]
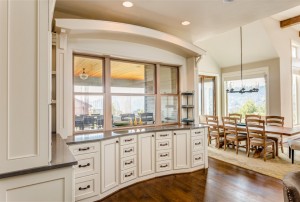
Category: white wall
[120,49]
[281,40]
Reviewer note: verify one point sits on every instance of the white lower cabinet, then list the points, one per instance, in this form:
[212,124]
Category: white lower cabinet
[182,151]
[110,159]
[146,153]
[87,187]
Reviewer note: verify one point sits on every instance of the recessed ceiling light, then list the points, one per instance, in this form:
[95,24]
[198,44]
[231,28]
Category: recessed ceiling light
[127,4]
[185,23]
[228,1]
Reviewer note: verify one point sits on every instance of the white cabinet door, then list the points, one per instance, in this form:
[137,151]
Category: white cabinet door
[24,86]
[181,149]
[109,164]
[146,153]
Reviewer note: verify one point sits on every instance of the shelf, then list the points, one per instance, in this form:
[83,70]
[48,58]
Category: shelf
[187,106]
[185,120]
[53,102]
[53,72]
[187,93]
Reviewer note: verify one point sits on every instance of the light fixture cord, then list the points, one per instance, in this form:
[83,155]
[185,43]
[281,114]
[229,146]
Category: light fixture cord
[241,34]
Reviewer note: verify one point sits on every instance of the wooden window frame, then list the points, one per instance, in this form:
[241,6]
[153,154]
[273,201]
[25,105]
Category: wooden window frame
[201,80]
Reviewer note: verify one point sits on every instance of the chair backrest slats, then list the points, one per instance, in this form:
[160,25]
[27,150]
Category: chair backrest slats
[274,120]
[256,128]
[253,116]
[213,124]
[237,116]
[230,125]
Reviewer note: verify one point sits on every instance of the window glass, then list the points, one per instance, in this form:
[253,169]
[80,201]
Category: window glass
[169,109]
[294,51]
[88,112]
[168,80]
[133,110]
[88,74]
[247,103]
[130,77]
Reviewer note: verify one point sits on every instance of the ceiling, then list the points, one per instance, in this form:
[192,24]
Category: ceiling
[226,51]
[293,12]
[207,17]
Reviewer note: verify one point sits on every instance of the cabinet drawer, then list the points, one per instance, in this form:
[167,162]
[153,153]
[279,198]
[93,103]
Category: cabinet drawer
[84,148]
[163,166]
[164,135]
[164,155]
[197,143]
[198,132]
[128,162]
[87,187]
[128,150]
[197,158]
[87,164]
[128,175]
[163,144]
[128,139]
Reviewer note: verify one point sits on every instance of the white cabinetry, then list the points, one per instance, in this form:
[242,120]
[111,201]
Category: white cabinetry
[24,86]
[110,159]
[181,149]
[197,147]
[87,171]
[146,149]
[164,145]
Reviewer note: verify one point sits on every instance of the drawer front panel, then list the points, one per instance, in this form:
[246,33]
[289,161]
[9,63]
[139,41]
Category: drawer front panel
[164,135]
[128,139]
[163,166]
[87,164]
[164,155]
[198,132]
[128,162]
[197,143]
[87,187]
[197,158]
[85,148]
[163,144]
[128,150]
[128,175]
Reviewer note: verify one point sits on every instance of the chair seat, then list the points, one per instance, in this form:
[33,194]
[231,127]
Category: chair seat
[261,141]
[294,144]
[233,136]
[221,134]
[272,138]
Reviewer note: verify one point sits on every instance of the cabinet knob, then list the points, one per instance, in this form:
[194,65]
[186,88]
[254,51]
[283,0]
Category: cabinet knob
[152,135]
[174,133]
[117,141]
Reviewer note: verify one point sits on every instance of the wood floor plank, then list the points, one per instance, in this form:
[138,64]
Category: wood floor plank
[221,182]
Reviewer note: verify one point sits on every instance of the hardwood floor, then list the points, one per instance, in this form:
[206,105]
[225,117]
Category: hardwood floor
[222,182]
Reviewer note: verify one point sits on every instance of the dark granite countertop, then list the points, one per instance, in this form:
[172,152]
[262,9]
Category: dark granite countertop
[61,157]
[93,137]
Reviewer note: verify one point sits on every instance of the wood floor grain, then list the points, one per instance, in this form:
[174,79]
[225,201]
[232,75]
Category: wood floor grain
[222,182]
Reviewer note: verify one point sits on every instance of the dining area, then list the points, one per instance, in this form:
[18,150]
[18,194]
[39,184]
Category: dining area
[253,135]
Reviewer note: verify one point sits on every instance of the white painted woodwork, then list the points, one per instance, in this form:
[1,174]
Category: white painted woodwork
[146,151]
[24,67]
[128,139]
[110,159]
[88,164]
[54,185]
[98,26]
[85,148]
[197,132]
[181,149]
[197,158]
[197,143]
[163,166]
[128,174]
[163,144]
[128,150]
[163,135]
[87,186]
[128,162]
[162,155]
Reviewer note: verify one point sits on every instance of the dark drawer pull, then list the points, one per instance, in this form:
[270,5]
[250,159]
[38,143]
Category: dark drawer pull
[130,150]
[83,188]
[166,144]
[163,166]
[197,143]
[165,135]
[197,132]
[84,149]
[198,158]
[129,140]
[152,135]
[130,162]
[129,175]
[164,155]
[82,166]
[174,133]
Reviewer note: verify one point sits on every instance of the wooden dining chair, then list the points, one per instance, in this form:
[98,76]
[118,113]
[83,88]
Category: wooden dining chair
[237,116]
[253,116]
[257,137]
[232,135]
[275,121]
[214,130]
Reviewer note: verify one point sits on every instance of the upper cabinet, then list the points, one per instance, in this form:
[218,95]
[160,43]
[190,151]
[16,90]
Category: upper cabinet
[24,84]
